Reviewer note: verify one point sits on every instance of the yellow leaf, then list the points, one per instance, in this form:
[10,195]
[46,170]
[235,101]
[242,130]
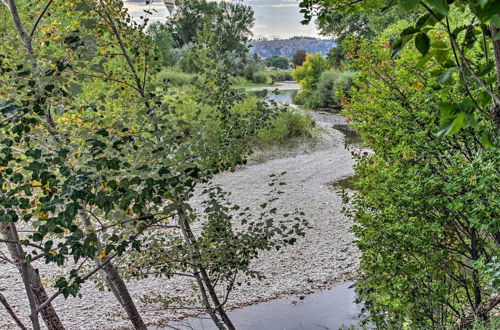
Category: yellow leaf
[103,254]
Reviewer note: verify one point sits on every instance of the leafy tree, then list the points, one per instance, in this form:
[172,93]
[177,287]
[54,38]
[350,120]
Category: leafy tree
[308,75]
[453,55]
[299,58]
[162,37]
[422,242]
[428,110]
[278,62]
[332,87]
[95,158]
[231,21]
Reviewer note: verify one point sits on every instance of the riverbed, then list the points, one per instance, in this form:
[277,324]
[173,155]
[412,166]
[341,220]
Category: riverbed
[324,259]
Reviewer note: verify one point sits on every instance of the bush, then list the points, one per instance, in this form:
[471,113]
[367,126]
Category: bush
[332,86]
[259,78]
[280,75]
[286,126]
[176,78]
[279,62]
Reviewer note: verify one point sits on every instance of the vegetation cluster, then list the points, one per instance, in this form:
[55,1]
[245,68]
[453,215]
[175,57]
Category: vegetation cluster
[420,81]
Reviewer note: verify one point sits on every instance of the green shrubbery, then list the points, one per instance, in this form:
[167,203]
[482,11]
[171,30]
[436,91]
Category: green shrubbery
[175,77]
[320,86]
[332,86]
[260,78]
[280,75]
[427,211]
[286,126]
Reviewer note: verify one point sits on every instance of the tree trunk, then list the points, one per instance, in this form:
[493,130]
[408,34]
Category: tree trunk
[25,37]
[190,240]
[49,314]
[115,282]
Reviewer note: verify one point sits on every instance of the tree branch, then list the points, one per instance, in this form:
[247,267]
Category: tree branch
[33,30]
[11,312]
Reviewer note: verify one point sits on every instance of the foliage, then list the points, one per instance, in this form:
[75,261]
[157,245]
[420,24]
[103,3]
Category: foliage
[162,37]
[96,155]
[278,62]
[425,211]
[286,126]
[469,26]
[280,75]
[299,58]
[307,75]
[175,77]
[260,78]
[231,22]
[332,86]
[492,324]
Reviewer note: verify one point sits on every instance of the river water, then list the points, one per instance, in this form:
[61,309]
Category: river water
[331,309]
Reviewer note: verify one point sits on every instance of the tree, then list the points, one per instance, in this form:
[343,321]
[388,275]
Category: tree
[162,37]
[278,62]
[299,57]
[484,20]
[427,106]
[95,156]
[307,75]
[231,21]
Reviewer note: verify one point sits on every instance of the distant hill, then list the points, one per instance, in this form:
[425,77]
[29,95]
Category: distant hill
[288,47]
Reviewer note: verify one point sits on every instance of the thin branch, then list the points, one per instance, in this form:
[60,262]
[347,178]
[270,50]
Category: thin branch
[86,277]
[33,30]
[11,312]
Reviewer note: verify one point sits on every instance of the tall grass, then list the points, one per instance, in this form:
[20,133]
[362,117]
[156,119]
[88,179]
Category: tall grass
[175,77]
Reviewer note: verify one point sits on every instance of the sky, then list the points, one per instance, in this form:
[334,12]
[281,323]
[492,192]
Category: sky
[273,18]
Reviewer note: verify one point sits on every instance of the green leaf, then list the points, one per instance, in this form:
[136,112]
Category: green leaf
[451,124]
[440,6]
[495,20]
[409,31]
[422,21]
[423,43]
[445,76]
[75,89]
[407,5]
[486,139]
[447,108]
[482,3]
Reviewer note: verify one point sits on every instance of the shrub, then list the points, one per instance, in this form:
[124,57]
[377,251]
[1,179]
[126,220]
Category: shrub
[279,62]
[259,78]
[280,75]
[176,78]
[286,126]
[332,86]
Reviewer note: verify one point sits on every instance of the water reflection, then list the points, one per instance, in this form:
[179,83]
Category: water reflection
[283,97]
[352,138]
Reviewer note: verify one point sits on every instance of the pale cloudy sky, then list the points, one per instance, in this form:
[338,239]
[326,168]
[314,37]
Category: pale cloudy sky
[273,18]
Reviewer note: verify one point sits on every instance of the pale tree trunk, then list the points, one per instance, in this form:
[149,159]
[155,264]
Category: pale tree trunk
[201,275]
[115,282]
[25,37]
[30,274]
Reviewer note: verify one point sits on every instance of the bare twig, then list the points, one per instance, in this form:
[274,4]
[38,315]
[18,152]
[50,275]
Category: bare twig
[11,312]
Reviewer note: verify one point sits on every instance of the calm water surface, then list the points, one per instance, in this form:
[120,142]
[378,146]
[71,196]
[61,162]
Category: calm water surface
[331,309]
